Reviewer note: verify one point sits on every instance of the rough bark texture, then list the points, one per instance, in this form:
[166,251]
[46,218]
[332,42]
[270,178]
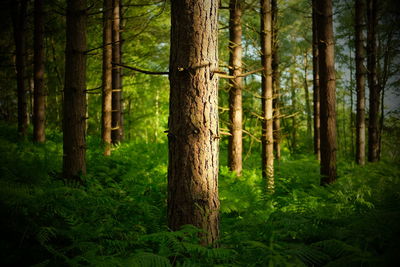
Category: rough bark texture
[74,109]
[117,133]
[19,24]
[235,147]
[327,91]
[317,142]
[193,122]
[360,11]
[267,95]
[276,81]
[39,108]
[374,89]
[107,77]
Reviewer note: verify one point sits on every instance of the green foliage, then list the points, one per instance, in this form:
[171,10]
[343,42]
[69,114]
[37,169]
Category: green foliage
[118,218]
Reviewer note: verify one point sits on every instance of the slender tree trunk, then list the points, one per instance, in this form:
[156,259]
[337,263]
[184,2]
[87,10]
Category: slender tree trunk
[39,109]
[307,96]
[360,11]
[117,133]
[107,77]
[327,91]
[193,122]
[374,89]
[276,81]
[294,119]
[267,95]
[19,24]
[235,148]
[316,97]
[74,108]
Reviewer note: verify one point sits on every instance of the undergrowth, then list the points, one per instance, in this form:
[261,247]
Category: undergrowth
[118,216]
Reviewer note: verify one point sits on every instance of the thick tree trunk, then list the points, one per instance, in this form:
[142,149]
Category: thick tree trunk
[360,11]
[276,81]
[327,87]
[74,109]
[374,88]
[19,24]
[39,109]
[117,133]
[235,147]
[107,77]
[193,122]
[316,98]
[267,95]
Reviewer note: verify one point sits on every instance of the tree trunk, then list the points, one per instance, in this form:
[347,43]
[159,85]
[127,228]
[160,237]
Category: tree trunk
[374,88]
[235,147]
[117,133]
[74,109]
[316,97]
[307,96]
[39,109]
[276,81]
[267,95]
[19,25]
[107,77]
[294,119]
[327,86]
[360,12]
[193,122]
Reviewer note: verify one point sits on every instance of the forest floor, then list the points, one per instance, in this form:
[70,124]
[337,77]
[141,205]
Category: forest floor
[118,216]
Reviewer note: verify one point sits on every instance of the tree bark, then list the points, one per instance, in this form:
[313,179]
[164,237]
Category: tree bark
[316,97]
[360,11]
[276,81]
[18,10]
[193,122]
[117,133]
[374,88]
[74,108]
[267,95]
[307,96]
[235,148]
[39,108]
[107,77]
[327,91]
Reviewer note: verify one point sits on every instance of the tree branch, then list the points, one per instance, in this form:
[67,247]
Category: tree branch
[142,71]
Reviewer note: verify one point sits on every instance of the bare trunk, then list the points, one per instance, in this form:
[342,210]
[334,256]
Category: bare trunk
[374,88]
[193,122]
[117,133]
[276,81]
[327,91]
[294,119]
[107,77]
[360,12]
[307,96]
[74,109]
[235,148]
[39,111]
[316,97]
[267,95]
[19,24]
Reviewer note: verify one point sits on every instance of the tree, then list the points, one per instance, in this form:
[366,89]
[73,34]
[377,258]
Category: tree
[327,86]
[276,81]
[360,11]
[316,97]
[267,94]
[39,108]
[374,88]
[117,133]
[193,137]
[74,108]
[18,12]
[107,77]
[235,87]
